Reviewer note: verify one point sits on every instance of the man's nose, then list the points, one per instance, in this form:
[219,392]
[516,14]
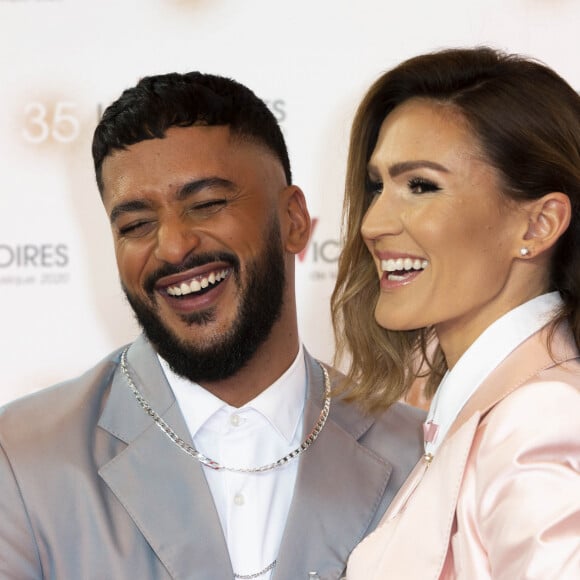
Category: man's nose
[175,240]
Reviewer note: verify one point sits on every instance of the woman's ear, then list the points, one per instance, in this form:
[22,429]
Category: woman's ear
[295,220]
[549,217]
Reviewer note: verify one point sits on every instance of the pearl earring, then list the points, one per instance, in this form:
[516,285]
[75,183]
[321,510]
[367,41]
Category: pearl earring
[524,252]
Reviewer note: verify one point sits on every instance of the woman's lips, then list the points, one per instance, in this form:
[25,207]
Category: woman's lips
[400,270]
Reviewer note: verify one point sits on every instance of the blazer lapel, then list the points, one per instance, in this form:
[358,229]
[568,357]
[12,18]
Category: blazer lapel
[433,503]
[412,541]
[531,355]
[162,488]
[332,506]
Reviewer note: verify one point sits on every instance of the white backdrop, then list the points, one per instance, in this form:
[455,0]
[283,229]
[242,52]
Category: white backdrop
[61,61]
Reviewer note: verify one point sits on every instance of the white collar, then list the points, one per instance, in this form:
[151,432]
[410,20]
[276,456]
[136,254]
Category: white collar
[281,404]
[492,346]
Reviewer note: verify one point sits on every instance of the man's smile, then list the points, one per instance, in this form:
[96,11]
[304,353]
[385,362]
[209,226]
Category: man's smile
[198,284]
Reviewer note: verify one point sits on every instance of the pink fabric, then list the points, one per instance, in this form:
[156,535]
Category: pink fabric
[430,431]
[518,514]
[501,499]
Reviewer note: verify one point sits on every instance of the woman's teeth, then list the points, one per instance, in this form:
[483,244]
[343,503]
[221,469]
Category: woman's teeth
[403,264]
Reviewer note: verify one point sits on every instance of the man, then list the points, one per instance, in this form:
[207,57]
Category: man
[209,448]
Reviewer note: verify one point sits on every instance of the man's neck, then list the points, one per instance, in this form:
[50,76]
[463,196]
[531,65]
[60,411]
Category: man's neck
[268,364]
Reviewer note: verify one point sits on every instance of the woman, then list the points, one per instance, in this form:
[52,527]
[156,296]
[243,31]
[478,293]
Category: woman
[464,180]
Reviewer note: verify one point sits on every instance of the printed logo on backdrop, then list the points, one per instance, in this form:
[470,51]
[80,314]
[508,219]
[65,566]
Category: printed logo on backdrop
[278,108]
[60,121]
[55,122]
[28,264]
[320,256]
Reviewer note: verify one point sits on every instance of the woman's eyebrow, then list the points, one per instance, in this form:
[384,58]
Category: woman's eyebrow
[404,166]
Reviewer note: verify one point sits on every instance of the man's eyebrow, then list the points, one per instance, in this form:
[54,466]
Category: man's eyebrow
[193,187]
[190,188]
[135,205]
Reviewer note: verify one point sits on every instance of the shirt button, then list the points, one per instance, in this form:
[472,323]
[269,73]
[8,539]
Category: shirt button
[239,499]
[235,420]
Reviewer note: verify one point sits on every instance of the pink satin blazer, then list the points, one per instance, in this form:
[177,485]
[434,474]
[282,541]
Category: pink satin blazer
[501,498]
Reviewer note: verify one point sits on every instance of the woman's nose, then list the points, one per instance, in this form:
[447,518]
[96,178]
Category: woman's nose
[382,217]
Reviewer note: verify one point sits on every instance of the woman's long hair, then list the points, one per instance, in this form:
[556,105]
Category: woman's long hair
[527,120]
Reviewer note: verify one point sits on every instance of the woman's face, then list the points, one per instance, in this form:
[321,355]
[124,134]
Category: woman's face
[444,240]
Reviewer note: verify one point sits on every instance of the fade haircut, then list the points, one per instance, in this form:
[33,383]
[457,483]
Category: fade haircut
[156,103]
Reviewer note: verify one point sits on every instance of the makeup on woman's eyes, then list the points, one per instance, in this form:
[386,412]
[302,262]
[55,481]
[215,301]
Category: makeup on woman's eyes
[373,187]
[417,185]
[420,185]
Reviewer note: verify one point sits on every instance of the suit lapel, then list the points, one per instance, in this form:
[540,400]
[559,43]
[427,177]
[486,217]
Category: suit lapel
[432,506]
[162,488]
[533,356]
[446,473]
[332,506]
[432,511]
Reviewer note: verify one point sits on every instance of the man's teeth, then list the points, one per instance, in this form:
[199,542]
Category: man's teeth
[400,264]
[197,284]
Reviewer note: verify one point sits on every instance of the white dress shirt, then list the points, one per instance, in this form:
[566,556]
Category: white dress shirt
[252,508]
[492,346]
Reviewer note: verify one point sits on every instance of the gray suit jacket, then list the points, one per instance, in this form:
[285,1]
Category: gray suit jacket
[90,488]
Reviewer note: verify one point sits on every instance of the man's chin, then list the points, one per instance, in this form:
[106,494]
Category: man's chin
[200,318]
[198,331]
[197,350]
[203,361]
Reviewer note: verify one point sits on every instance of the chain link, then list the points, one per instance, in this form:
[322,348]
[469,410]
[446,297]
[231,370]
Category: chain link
[191,451]
[257,574]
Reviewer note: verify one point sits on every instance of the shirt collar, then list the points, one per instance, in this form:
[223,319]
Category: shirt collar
[281,404]
[492,346]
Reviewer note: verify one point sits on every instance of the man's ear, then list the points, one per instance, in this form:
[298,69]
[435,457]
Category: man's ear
[294,220]
[548,218]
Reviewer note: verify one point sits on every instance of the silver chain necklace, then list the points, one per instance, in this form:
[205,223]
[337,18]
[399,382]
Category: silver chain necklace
[257,574]
[190,450]
[193,452]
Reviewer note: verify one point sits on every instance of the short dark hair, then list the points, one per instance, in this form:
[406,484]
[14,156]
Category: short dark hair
[159,102]
[527,121]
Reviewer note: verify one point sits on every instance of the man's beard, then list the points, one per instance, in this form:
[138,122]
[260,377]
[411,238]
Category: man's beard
[260,306]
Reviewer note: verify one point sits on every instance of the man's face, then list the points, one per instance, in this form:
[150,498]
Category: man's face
[195,220]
